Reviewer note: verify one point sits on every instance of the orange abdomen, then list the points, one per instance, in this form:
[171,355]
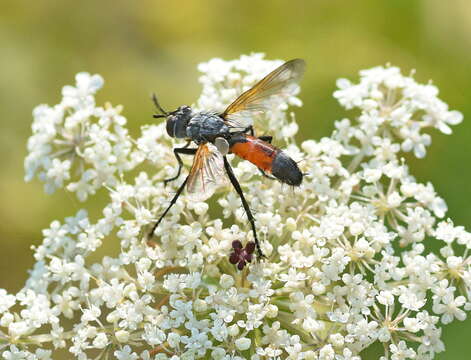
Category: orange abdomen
[258,152]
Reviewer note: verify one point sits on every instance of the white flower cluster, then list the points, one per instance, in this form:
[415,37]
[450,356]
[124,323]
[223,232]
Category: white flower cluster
[349,262]
[393,107]
[77,141]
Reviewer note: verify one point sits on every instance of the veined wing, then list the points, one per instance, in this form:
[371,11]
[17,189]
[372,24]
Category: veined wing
[207,172]
[281,81]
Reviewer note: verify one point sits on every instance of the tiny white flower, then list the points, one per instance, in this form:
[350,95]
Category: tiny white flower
[100,341]
[122,336]
[226,281]
[126,353]
[243,343]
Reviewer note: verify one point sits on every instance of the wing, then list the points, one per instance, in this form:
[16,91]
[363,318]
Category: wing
[281,81]
[207,172]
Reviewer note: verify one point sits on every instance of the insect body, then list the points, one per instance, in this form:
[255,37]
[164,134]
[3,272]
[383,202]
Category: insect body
[201,127]
[216,135]
[266,157]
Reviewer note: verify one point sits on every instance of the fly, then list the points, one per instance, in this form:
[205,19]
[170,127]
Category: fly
[217,135]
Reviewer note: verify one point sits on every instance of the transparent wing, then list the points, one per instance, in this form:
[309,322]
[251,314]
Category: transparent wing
[281,81]
[207,172]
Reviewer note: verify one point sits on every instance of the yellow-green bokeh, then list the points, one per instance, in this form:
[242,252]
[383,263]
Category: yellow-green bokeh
[145,46]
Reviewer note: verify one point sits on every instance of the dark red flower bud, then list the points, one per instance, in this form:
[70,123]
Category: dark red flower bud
[236,244]
[250,247]
[241,255]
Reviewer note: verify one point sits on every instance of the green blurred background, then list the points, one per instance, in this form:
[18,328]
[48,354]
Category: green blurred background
[156,45]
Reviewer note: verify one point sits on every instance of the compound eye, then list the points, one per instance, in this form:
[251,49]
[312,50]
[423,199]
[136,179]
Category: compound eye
[171,126]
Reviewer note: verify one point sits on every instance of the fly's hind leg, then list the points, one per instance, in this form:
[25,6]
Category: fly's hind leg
[268,139]
[178,152]
[250,130]
[264,174]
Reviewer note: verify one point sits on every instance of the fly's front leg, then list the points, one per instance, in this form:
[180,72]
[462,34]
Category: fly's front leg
[177,152]
[172,202]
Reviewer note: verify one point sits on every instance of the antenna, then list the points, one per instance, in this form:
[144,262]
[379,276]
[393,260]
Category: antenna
[157,105]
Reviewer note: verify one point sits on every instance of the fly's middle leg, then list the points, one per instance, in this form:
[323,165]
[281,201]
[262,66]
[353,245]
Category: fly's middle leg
[239,191]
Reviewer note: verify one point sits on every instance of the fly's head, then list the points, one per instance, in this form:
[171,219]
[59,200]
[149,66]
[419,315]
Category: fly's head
[177,121]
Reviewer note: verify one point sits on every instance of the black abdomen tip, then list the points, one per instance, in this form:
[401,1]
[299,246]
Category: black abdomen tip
[286,170]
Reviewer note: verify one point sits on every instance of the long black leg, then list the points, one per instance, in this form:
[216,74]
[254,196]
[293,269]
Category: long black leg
[237,187]
[177,152]
[172,202]
[268,139]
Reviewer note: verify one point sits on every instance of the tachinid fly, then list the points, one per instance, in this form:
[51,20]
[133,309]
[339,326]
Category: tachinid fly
[217,135]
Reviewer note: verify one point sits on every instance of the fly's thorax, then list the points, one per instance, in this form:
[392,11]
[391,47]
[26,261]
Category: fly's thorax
[206,127]
[177,121]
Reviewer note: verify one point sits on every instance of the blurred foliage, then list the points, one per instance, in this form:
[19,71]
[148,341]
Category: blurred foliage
[146,46]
